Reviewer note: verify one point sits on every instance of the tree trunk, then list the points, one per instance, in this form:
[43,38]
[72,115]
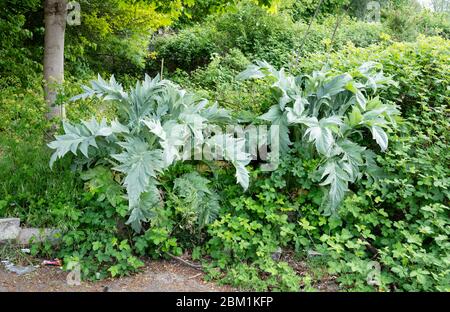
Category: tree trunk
[55,25]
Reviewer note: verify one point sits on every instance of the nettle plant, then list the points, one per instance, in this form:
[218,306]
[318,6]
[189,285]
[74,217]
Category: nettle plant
[158,124]
[330,115]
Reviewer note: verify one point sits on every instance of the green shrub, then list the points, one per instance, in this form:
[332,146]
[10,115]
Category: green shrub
[23,109]
[19,61]
[220,71]
[303,10]
[258,35]
[331,116]
[405,24]
[392,234]
[258,239]
[434,24]
[401,222]
[187,50]
[30,190]
[250,29]
[217,81]
[250,230]
[95,238]
[421,69]
[155,121]
[95,234]
[22,112]
[360,33]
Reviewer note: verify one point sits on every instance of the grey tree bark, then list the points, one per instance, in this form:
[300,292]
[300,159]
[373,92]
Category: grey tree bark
[55,25]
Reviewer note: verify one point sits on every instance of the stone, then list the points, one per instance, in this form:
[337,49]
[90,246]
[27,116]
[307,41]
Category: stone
[9,228]
[276,256]
[28,235]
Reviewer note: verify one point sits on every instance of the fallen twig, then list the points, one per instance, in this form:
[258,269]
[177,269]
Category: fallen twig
[192,265]
[196,275]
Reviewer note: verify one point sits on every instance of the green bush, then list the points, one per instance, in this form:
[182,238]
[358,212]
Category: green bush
[248,240]
[401,222]
[331,116]
[391,234]
[250,29]
[23,109]
[421,69]
[18,59]
[217,81]
[303,10]
[30,190]
[220,71]
[95,237]
[155,120]
[405,23]
[434,24]
[22,112]
[258,35]
[187,50]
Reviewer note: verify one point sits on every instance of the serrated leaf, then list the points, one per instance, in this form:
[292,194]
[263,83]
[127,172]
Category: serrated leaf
[140,165]
[145,208]
[194,191]
[380,136]
[80,137]
[320,132]
[337,180]
[280,119]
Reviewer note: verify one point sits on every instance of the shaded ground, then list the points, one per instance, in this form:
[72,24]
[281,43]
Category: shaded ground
[157,276]
[177,275]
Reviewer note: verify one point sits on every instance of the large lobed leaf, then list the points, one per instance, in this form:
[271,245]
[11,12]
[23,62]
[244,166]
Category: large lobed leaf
[82,136]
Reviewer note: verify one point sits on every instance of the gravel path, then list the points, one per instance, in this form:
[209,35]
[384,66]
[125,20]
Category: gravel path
[157,276]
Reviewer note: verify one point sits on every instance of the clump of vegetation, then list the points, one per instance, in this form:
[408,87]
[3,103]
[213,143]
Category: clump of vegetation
[360,190]
[258,35]
[157,124]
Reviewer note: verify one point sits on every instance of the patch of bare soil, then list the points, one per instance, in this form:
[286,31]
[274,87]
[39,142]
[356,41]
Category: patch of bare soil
[161,276]
[177,275]
[322,283]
